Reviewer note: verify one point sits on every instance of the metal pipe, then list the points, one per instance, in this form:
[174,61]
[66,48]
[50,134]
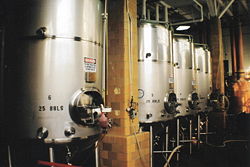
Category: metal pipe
[198,129]
[144,9]
[206,137]
[177,137]
[96,155]
[190,136]
[51,155]
[151,146]
[2,31]
[153,21]
[187,141]
[9,156]
[162,152]
[166,6]
[226,8]
[190,37]
[201,44]
[244,5]
[166,13]
[216,8]
[105,17]
[195,20]
[229,12]
[148,14]
[171,61]
[208,133]
[157,12]
[166,141]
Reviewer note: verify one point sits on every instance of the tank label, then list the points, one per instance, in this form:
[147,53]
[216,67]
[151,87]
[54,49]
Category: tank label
[171,80]
[89,64]
[51,108]
[153,101]
[181,99]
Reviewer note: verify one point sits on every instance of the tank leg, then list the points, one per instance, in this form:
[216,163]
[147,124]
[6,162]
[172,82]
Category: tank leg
[190,135]
[206,129]
[96,155]
[151,146]
[166,141]
[51,155]
[198,129]
[9,156]
[177,137]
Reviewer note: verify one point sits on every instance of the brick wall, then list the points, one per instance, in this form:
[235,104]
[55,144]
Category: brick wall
[119,147]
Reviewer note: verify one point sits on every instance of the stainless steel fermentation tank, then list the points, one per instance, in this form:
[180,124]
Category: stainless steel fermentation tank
[185,81]
[203,72]
[54,59]
[156,95]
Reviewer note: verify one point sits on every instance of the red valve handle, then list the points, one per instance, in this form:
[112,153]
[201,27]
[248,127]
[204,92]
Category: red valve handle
[54,164]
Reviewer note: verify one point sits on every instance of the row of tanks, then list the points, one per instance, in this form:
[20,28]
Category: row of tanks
[174,74]
[174,89]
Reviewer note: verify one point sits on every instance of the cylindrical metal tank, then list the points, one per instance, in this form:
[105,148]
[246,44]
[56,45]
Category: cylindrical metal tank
[201,61]
[185,83]
[53,78]
[155,78]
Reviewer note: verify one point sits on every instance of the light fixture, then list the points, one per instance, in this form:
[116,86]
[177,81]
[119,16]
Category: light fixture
[182,28]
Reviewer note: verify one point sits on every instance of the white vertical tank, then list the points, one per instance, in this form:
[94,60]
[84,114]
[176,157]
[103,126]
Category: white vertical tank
[155,74]
[53,81]
[185,84]
[201,61]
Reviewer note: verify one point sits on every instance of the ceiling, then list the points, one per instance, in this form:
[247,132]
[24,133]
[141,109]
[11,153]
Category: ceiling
[181,10]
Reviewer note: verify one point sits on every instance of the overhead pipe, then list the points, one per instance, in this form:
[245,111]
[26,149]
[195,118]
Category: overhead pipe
[144,9]
[201,44]
[195,20]
[157,12]
[166,6]
[229,12]
[244,5]
[148,14]
[190,37]
[226,8]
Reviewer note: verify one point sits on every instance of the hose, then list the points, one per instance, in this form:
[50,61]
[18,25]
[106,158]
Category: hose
[45,163]
[171,155]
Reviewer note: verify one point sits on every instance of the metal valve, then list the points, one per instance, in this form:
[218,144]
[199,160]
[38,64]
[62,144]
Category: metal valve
[170,103]
[131,109]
